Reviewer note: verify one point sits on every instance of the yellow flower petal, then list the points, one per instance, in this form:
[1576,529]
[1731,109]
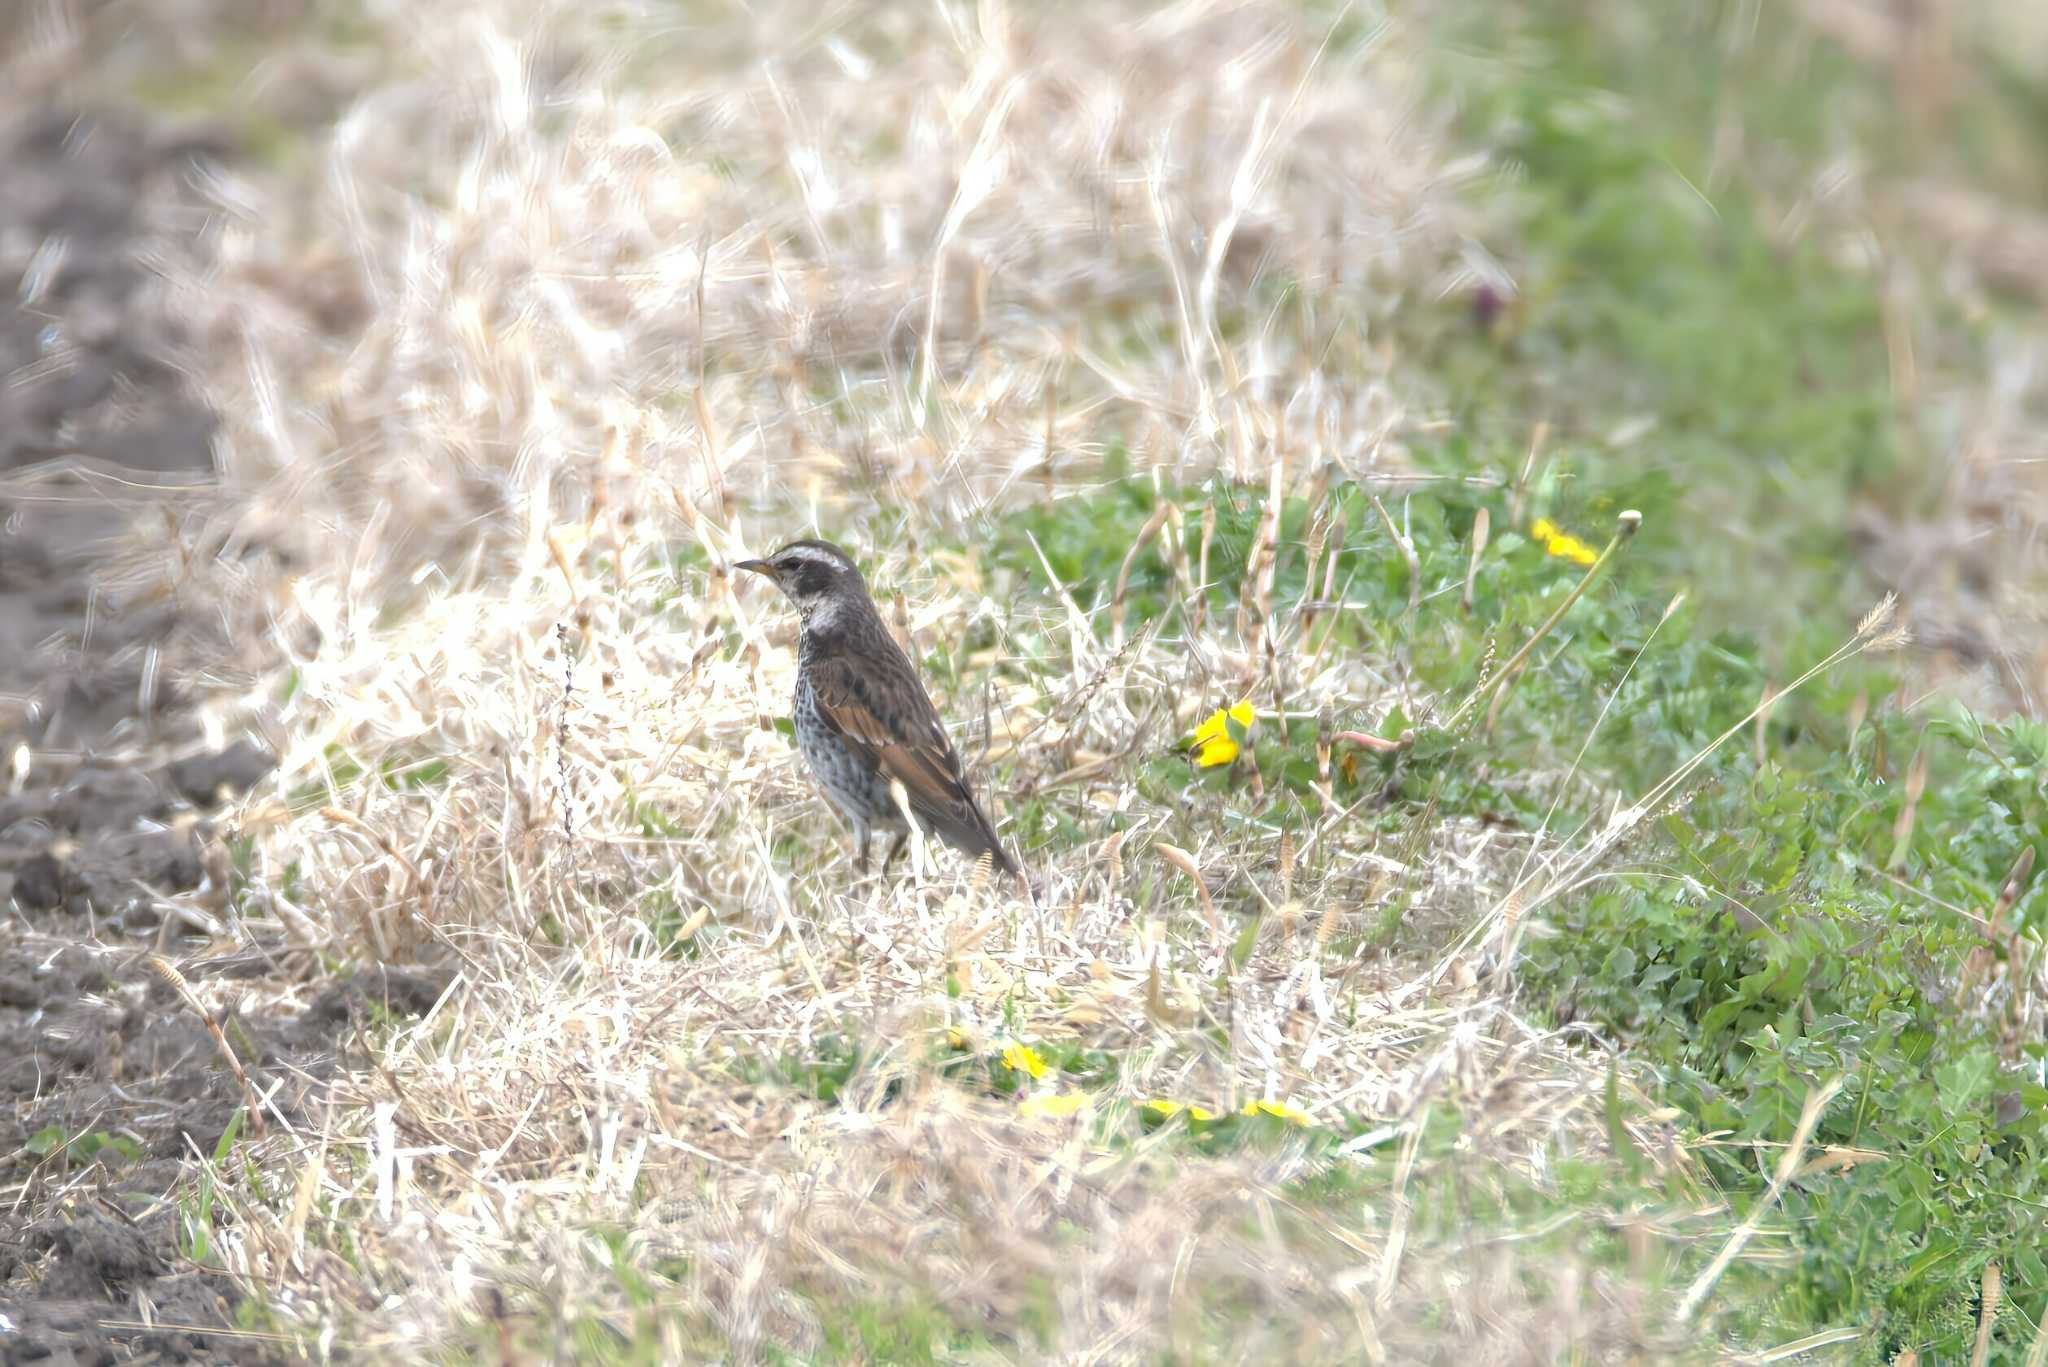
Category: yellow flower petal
[1572,549]
[956,1037]
[1279,1109]
[1022,1058]
[1168,1109]
[1561,543]
[1213,744]
[1056,1106]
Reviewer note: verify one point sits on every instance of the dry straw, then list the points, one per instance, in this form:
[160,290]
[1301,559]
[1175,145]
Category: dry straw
[576,308]
[175,980]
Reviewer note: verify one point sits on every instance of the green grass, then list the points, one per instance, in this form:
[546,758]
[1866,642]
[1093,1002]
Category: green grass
[1659,288]
[1759,944]
[1763,950]
[1753,943]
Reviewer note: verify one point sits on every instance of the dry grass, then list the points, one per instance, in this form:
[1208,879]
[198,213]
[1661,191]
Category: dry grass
[568,289]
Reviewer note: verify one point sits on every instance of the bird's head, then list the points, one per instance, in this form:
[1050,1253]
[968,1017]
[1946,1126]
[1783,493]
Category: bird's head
[813,574]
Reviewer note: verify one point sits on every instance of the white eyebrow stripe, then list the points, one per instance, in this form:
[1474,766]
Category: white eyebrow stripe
[816,555]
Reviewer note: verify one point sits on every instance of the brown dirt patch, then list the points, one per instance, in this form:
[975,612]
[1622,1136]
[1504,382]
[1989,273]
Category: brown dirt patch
[111,1088]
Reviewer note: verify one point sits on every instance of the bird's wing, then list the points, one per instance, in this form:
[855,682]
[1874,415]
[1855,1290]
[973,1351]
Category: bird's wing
[856,694]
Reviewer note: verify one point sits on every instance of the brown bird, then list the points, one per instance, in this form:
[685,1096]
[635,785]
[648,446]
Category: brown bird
[863,720]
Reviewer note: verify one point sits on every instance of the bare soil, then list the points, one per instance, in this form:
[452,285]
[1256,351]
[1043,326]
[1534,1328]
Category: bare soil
[111,1090]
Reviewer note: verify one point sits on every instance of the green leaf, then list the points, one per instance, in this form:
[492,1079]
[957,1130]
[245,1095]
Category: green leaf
[1940,1249]
[226,1145]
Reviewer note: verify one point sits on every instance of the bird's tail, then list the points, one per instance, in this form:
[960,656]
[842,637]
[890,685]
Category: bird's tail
[971,834]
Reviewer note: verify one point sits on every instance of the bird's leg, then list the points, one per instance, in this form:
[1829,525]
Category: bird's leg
[860,859]
[902,839]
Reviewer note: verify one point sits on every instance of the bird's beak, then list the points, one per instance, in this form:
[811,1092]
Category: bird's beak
[760,567]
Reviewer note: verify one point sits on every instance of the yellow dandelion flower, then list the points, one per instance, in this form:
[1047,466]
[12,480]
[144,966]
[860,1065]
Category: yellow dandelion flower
[1022,1058]
[1213,743]
[1166,1110]
[1572,549]
[1054,1107]
[1278,1109]
[1561,543]
[956,1038]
